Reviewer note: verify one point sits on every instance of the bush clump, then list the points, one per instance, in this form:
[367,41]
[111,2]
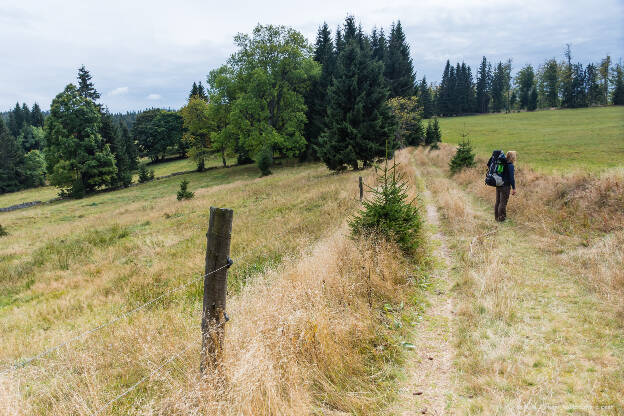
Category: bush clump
[265,161]
[145,175]
[184,193]
[464,157]
[3,231]
[389,213]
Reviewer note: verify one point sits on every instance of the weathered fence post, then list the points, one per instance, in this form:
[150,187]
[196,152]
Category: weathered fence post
[361,189]
[215,286]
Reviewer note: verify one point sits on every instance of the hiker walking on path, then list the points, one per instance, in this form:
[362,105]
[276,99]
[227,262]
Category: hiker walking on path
[509,185]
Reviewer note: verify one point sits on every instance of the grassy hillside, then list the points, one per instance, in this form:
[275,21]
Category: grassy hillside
[588,139]
[72,264]
[46,193]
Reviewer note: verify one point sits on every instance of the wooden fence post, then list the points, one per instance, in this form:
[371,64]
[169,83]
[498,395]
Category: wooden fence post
[215,286]
[361,189]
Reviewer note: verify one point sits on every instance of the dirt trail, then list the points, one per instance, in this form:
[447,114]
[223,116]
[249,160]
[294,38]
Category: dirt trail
[428,387]
[518,334]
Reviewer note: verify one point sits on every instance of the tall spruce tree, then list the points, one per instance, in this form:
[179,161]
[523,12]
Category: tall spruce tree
[498,88]
[193,92]
[549,83]
[399,69]
[86,88]
[36,116]
[379,45]
[594,93]
[579,93]
[483,87]
[201,91]
[617,97]
[567,89]
[16,120]
[426,101]
[131,148]
[444,92]
[316,98]
[359,119]
[605,66]
[525,81]
[78,160]
[11,158]
[111,135]
[25,115]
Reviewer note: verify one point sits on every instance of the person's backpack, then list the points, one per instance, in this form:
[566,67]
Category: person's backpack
[496,166]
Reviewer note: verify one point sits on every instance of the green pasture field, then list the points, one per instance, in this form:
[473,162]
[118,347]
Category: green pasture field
[46,193]
[587,139]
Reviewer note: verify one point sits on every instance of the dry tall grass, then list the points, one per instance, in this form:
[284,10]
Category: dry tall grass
[306,338]
[315,331]
[531,339]
[579,216]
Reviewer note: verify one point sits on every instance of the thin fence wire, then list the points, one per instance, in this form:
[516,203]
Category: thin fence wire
[141,381]
[24,363]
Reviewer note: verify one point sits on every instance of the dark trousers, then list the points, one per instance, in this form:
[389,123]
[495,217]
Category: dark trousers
[502,196]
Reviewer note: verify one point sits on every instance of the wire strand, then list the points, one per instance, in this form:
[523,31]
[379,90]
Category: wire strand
[111,322]
[135,385]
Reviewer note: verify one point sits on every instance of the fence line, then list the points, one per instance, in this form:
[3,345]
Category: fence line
[111,322]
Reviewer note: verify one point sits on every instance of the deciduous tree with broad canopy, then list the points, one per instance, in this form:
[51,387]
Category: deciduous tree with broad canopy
[272,69]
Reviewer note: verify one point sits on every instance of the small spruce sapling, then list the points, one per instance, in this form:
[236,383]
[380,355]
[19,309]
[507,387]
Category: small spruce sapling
[464,157]
[436,134]
[184,193]
[145,175]
[389,213]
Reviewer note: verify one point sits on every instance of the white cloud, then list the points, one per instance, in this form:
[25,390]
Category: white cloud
[119,91]
[154,97]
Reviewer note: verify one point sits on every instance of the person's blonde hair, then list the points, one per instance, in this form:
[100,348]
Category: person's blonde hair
[511,156]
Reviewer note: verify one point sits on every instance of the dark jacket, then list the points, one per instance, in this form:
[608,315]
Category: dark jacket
[508,175]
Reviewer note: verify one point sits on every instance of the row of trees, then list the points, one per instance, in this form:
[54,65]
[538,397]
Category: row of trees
[85,148]
[21,141]
[81,147]
[279,97]
[554,84]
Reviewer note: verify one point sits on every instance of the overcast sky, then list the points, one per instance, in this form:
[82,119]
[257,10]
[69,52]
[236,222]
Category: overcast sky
[148,53]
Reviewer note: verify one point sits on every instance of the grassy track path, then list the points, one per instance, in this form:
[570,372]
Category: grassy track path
[527,336]
[428,387]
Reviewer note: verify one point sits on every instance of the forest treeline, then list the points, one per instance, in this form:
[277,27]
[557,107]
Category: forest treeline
[554,84]
[349,99]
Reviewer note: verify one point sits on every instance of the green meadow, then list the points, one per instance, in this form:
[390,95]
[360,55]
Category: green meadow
[588,139]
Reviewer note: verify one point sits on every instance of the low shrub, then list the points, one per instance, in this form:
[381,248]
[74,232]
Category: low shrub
[389,213]
[184,193]
[265,161]
[145,175]
[464,157]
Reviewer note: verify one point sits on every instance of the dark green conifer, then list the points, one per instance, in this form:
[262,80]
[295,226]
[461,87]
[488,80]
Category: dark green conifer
[85,87]
[316,98]
[424,95]
[483,87]
[359,119]
[36,117]
[399,69]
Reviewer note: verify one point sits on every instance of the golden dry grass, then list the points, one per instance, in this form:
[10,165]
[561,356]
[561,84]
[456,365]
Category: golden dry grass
[538,328]
[315,317]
